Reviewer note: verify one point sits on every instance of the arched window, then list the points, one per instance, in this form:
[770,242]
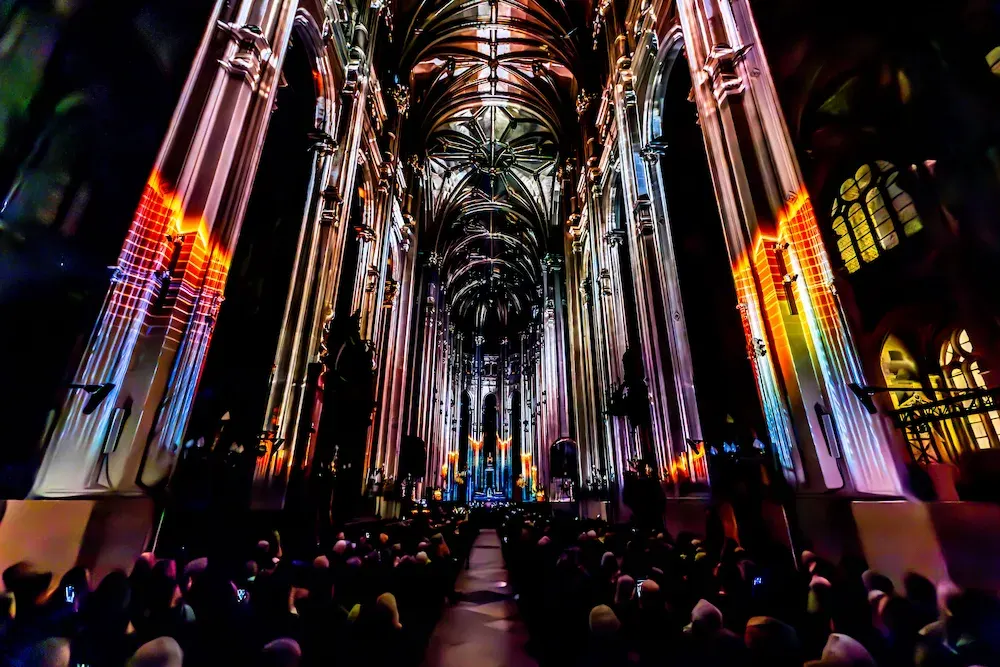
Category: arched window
[993,60]
[962,369]
[870,212]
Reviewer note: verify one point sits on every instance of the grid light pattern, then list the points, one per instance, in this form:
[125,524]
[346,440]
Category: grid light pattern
[833,348]
[166,272]
[768,385]
[764,290]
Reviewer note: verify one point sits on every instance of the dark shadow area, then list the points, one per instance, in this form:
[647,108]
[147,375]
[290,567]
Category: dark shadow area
[723,378]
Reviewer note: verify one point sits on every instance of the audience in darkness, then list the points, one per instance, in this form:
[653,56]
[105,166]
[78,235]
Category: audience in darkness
[644,598]
[591,594]
[371,599]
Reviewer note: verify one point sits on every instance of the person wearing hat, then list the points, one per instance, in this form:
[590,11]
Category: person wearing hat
[605,643]
[707,643]
[161,652]
[843,651]
[772,643]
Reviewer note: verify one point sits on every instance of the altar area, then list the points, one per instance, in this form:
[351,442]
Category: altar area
[490,470]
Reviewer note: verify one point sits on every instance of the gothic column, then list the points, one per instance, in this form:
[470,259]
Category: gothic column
[670,424]
[803,352]
[670,325]
[291,411]
[149,344]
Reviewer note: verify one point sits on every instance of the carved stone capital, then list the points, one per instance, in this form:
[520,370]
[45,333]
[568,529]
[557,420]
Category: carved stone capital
[366,234]
[552,262]
[614,238]
[322,143]
[433,260]
[652,151]
[401,96]
[643,213]
[583,102]
[416,164]
[371,279]
[390,292]
[722,67]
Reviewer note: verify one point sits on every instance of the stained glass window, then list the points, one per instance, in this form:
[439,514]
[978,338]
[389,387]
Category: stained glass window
[870,213]
[963,371]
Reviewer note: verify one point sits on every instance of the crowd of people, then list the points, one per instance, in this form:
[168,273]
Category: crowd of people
[372,597]
[640,597]
[591,594]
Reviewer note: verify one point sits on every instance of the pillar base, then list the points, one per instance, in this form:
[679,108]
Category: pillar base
[954,540]
[101,534]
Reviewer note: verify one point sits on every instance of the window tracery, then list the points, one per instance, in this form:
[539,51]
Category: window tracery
[870,212]
[963,369]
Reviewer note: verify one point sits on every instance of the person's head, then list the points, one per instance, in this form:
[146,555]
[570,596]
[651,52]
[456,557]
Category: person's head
[161,652]
[875,581]
[51,652]
[772,643]
[107,608]
[284,652]
[922,594]
[899,618]
[843,651]
[142,567]
[387,611]
[706,619]
[321,562]
[609,564]
[168,567]
[820,596]
[27,584]
[650,597]
[603,621]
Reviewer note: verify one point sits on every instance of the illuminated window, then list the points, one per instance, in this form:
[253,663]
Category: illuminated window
[993,60]
[870,213]
[963,370]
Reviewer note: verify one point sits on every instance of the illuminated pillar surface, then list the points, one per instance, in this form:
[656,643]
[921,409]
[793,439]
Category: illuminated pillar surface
[802,351]
[153,333]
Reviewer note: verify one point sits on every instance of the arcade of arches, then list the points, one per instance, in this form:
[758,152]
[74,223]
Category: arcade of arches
[521,250]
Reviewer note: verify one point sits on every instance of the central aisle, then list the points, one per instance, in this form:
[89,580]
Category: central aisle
[484,629]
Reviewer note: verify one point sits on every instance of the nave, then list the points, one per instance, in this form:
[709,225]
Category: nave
[355,271]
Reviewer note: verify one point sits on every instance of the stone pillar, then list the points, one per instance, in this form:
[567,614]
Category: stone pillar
[291,415]
[150,341]
[803,352]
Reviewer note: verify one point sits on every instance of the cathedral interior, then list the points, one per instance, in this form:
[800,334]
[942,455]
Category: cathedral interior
[317,262]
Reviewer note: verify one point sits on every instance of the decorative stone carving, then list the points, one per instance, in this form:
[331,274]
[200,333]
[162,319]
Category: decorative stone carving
[401,96]
[614,238]
[251,55]
[366,234]
[583,102]
[389,293]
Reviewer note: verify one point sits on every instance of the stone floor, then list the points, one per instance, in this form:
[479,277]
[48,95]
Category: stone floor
[484,629]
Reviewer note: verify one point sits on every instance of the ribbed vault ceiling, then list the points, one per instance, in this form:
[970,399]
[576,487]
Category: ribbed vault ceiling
[493,85]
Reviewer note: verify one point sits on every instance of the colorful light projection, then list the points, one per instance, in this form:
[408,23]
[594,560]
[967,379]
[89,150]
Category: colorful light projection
[161,305]
[790,272]
[690,465]
[503,467]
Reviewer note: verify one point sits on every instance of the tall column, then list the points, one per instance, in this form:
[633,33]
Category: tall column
[291,414]
[660,261]
[150,341]
[805,356]
[668,427]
